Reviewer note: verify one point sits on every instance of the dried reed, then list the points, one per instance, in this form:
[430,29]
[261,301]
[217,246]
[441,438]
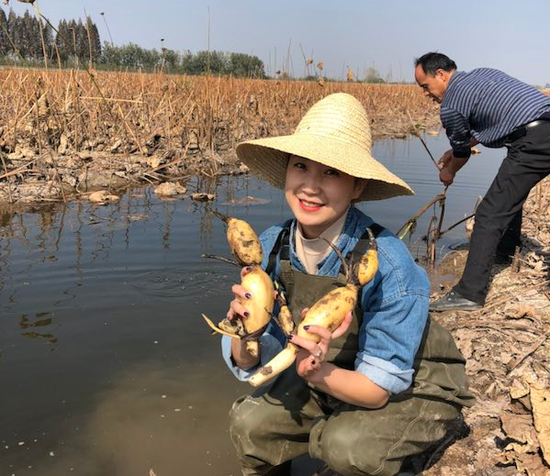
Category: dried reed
[213,113]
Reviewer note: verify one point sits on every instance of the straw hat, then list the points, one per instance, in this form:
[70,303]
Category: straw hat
[334,132]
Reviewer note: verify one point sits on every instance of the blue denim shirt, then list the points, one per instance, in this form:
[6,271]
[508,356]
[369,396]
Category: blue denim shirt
[395,302]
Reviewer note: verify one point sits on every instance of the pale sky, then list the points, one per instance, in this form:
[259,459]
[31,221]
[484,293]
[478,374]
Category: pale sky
[510,35]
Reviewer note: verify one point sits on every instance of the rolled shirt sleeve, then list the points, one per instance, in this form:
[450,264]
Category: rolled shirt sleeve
[389,339]
[270,346]
[384,373]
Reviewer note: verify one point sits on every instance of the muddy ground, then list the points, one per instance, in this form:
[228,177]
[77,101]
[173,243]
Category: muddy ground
[34,179]
[31,175]
[507,346]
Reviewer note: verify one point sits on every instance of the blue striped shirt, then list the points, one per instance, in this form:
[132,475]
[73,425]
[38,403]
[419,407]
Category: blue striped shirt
[487,104]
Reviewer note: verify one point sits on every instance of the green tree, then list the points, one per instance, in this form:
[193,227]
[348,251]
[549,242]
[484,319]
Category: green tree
[94,38]
[63,41]
[5,44]
[130,56]
[204,61]
[17,33]
[242,65]
[82,43]
[48,40]
[372,75]
[32,39]
[171,60]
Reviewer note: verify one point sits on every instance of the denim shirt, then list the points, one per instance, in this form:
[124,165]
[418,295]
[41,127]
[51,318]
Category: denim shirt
[395,305]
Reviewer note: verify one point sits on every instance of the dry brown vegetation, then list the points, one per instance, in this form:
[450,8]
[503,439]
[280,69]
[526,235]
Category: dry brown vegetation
[157,127]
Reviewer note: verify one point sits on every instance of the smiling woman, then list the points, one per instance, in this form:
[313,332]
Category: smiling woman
[348,384]
[318,194]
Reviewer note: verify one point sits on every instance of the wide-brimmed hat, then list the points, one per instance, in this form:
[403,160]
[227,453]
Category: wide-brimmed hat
[334,132]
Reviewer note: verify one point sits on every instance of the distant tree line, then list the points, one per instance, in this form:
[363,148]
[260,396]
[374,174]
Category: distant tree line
[23,41]
[132,56]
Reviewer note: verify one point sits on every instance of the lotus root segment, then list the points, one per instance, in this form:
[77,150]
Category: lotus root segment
[368,264]
[328,312]
[246,247]
[244,242]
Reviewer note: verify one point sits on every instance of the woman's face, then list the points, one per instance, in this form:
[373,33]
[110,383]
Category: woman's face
[318,195]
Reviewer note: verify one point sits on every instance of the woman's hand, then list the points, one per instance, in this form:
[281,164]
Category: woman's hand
[241,294]
[242,358]
[312,355]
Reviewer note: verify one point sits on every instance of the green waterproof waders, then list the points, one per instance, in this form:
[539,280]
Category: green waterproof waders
[289,418]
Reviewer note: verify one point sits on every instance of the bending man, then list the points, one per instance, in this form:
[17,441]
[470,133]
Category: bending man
[486,106]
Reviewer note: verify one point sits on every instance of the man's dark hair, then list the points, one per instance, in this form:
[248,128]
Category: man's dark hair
[432,61]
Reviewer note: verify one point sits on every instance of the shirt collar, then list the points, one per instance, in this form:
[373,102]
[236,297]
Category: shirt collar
[354,227]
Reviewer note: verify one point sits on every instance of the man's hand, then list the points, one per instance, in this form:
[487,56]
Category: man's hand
[445,159]
[447,176]
[449,165]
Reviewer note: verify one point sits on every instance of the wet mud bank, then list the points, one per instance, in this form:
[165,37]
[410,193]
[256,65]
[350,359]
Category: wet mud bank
[507,347]
[32,179]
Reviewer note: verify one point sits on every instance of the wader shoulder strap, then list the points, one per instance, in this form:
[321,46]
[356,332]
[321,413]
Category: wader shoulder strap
[282,244]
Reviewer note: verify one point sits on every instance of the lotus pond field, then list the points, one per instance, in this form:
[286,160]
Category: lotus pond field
[152,128]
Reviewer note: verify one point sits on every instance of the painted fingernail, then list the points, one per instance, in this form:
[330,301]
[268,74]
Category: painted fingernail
[306,327]
[247,295]
[246,314]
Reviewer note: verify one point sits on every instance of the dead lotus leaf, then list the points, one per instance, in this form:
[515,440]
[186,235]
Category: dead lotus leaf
[539,265]
[154,162]
[102,197]
[519,428]
[170,189]
[514,449]
[540,399]
[489,408]
[519,389]
[203,197]
[523,310]
[464,342]
[532,465]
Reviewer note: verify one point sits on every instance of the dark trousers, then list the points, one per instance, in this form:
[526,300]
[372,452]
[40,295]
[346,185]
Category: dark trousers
[498,218]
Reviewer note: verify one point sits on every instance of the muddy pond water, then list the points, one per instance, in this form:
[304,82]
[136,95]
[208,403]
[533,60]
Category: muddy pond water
[106,367]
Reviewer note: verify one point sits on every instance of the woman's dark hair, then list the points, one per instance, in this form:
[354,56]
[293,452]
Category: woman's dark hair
[431,62]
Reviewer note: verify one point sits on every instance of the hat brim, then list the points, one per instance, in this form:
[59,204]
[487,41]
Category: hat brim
[268,159]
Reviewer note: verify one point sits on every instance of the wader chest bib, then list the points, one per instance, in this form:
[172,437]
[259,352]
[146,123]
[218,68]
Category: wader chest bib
[438,364]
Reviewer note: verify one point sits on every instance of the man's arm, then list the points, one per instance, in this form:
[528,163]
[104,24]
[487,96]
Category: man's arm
[458,132]
[450,165]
